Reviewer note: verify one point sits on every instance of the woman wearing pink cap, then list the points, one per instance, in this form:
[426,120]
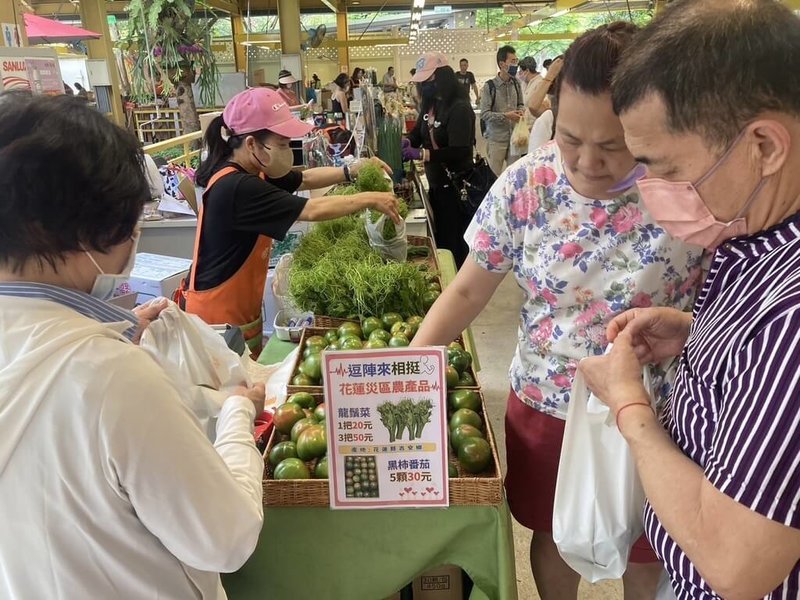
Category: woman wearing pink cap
[443,138]
[249,201]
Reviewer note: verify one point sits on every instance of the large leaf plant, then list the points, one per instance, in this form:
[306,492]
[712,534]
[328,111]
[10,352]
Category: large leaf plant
[171,46]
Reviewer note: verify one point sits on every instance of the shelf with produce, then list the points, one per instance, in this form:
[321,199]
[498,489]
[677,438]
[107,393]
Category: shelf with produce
[306,483]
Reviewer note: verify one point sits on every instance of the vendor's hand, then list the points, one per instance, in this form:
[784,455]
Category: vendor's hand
[256,395]
[359,164]
[385,202]
[616,377]
[513,115]
[555,69]
[147,313]
[410,153]
[656,333]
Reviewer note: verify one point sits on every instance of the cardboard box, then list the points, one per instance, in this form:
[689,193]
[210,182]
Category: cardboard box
[155,275]
[442,583]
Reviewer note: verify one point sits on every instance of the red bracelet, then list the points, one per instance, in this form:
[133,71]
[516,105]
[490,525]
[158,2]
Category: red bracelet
[619,412]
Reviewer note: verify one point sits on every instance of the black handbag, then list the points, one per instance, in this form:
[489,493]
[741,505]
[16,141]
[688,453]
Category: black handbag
[473,185]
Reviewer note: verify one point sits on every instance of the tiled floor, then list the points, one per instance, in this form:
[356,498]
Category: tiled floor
[495,337]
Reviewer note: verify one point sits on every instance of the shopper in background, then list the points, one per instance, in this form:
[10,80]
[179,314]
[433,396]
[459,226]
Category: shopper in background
[467,79]
[568,222]
[540,96]
[249,201]
[546,65]
[339,99]
[526,74]
[286,83]
[443,138]
[723,481]
[389,81]
[355,82]
[109,487]
[81,93]
[502,106]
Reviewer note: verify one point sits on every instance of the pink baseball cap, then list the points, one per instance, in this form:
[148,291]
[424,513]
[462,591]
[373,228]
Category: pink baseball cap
[427,64]
[262,108]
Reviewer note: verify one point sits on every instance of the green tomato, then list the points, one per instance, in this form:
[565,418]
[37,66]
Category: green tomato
[415,321]
[301,426]
[351,343]
[429,298]
[466,380]
[282,451]
[312,443]
[312,367]
[321,470]
[475,455]
[302,380]
[464,399]
[462,433]
[398,341]
[380,334]
[465,416]
[331,336]
[292,468]
[458,359]
[373,344]
[316,341]
[452,377]
[350,329]
[303,399]
[390,319]
[369,325]
[403,328]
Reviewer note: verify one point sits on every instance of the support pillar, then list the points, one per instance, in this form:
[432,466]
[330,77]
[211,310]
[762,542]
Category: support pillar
[239,49]
[94,17]
[11,12]
[289,22]
[342,35]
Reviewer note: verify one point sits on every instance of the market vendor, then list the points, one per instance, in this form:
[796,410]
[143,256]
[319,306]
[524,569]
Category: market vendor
[249,201]
[569,223]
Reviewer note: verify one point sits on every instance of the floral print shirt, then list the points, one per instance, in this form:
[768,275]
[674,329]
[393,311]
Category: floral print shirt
[580,262]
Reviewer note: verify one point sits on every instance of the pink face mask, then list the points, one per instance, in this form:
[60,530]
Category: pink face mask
[678,207]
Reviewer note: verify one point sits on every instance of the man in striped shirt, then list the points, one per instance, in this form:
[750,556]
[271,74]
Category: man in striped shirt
[709,97]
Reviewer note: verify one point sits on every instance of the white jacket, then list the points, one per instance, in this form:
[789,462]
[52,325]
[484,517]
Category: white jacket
[108,486]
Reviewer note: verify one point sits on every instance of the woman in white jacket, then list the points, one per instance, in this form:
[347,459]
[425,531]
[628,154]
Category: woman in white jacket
[108,486]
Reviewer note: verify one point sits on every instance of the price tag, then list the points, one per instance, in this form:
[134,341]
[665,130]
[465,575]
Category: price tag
[387,428]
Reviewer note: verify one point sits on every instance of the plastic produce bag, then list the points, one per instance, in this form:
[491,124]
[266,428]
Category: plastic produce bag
[280,287]
[395,248]
[198,361]
[599,498]
[521,133]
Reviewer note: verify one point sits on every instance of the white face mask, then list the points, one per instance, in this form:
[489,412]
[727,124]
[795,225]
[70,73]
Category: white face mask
[106,284]
[280,162]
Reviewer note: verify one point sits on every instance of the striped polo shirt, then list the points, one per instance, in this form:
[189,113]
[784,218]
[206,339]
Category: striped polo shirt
[736,401]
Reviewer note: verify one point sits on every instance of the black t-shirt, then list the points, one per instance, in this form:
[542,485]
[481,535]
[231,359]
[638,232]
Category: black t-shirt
[237,209]
[466,79]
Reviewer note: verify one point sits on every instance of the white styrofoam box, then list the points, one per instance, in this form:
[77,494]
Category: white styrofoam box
[155,275]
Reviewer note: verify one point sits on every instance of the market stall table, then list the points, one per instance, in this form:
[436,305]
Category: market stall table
[368,555]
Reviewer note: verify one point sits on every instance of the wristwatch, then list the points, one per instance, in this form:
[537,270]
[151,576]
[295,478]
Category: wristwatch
[347,177]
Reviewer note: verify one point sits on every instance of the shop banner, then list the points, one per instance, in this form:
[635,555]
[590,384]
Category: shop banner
[37,75]
[387,428]
[15,74]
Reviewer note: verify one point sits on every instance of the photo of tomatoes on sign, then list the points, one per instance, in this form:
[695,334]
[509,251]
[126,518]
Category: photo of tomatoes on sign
[387,428]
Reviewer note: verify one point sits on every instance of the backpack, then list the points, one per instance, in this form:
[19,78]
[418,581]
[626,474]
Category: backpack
[493,94]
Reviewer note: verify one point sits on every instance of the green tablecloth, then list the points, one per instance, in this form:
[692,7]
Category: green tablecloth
[321,554]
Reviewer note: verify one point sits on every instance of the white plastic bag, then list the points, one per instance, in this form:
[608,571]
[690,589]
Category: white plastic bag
[395,248]
[280,287]
[198,361]
[599,498]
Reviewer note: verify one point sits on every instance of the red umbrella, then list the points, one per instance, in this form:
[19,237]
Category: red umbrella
[48,31]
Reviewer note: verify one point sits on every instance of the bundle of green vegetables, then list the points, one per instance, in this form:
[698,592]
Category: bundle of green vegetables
[405,415]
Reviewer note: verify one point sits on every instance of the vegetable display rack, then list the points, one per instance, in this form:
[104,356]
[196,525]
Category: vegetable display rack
[424,242]
[323,325]
[483,489]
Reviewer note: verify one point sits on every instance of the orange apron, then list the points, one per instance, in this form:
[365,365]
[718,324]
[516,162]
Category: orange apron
[238,300]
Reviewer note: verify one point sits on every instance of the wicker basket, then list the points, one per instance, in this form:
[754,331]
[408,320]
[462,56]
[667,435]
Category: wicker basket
[465,490]
[431,260]
[323,325]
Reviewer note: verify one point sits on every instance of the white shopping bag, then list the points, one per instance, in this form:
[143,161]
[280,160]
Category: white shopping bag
[395,248]
[599,499]
[198,360]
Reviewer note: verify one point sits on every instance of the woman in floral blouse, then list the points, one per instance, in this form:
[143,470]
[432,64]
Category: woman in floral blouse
[568,222]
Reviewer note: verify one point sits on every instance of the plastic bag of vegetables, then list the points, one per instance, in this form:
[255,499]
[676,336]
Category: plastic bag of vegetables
[386,237]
